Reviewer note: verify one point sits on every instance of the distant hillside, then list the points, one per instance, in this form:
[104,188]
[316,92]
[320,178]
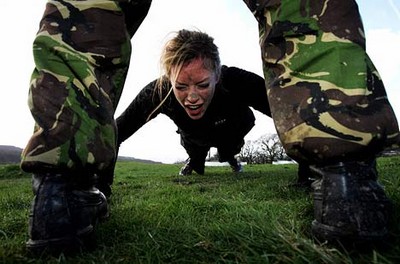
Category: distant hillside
[11,154]
[123,158]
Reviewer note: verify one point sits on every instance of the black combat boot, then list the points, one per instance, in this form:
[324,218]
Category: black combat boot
[103,181]
[350,206]
[305,177]
[63,215]
[235,165]
[192,165]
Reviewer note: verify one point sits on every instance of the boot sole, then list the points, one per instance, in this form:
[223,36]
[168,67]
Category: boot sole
[84,240]
[331,234]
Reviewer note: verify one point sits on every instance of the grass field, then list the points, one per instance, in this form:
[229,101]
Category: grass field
[221,217]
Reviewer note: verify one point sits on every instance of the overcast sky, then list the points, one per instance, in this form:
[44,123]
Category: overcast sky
[228,21]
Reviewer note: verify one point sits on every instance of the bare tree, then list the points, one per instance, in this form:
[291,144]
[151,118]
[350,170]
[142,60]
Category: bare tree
[266,149]
[248,153]
[272,147]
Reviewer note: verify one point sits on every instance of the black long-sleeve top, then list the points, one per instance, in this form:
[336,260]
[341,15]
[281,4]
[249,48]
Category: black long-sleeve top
[228,111]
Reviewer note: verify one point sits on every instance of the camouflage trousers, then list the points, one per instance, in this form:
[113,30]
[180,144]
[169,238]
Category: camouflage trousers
[327,100]
[82,52]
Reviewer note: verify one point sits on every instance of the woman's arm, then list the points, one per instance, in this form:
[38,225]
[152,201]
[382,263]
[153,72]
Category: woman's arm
[248,87]
[139,111]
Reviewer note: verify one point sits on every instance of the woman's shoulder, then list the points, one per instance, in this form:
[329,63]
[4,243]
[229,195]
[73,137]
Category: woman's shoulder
[229,69]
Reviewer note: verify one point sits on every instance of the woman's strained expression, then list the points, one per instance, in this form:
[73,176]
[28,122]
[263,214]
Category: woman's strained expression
[194,88]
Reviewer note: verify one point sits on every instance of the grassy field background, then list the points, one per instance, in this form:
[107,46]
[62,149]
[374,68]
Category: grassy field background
[221,217]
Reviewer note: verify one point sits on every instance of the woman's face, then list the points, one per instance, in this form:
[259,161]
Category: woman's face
[194,88]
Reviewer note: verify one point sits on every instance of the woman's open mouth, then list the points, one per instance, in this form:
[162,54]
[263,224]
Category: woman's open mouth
[193,110]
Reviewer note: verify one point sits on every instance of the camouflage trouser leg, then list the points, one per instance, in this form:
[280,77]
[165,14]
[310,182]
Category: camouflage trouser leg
[327,99]
[81,53]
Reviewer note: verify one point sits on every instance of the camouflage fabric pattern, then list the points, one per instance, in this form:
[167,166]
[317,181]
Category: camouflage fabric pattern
[82,53]
[327,99]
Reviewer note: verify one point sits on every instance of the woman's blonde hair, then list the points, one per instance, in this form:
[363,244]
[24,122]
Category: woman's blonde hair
[186,46]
